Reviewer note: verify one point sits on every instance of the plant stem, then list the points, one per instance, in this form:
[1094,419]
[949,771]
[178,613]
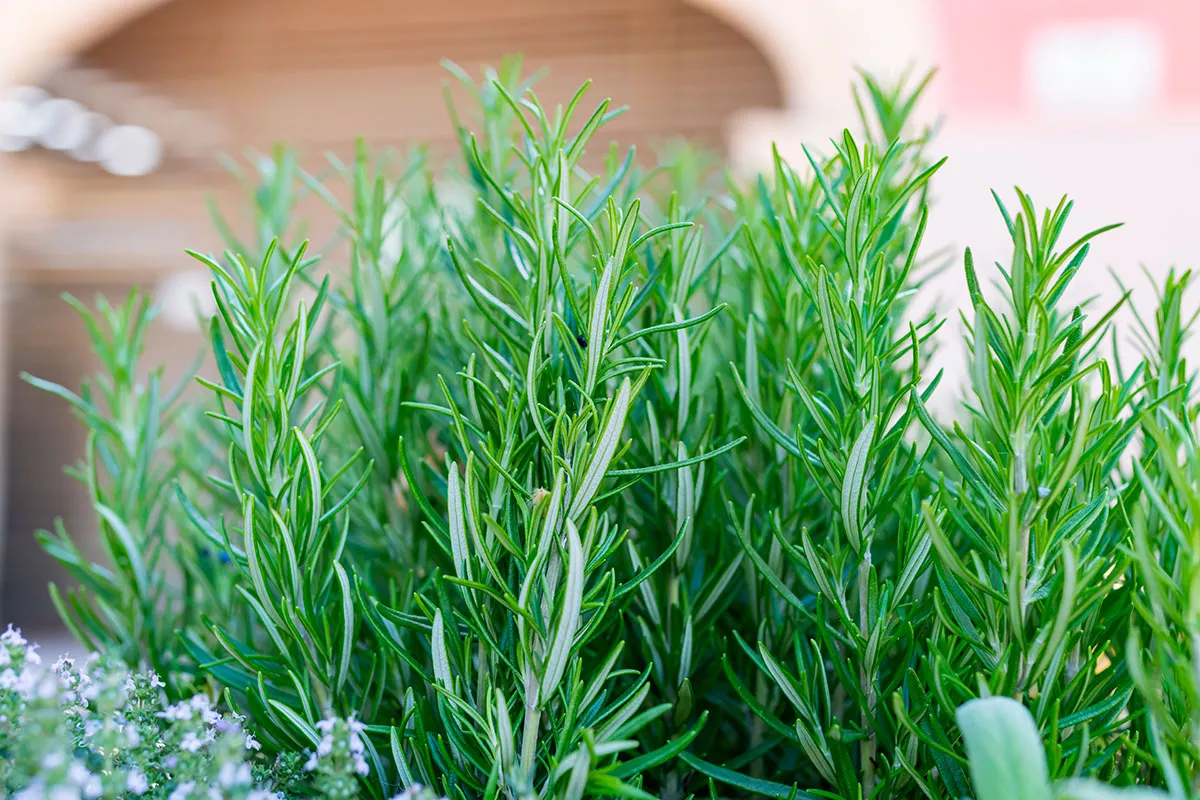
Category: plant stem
[533,718]
[867,750]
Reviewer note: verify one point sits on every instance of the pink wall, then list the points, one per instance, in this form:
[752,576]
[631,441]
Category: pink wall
[985,41]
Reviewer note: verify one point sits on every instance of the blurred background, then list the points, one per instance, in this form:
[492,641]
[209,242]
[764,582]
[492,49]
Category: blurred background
[112,113]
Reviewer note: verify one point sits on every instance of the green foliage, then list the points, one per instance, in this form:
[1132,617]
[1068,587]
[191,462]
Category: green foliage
[127,606]
[624,482]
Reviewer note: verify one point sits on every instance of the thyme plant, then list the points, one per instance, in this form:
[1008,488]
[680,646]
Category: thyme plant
[621,480]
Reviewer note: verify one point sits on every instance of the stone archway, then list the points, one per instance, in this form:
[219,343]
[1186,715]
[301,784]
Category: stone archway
[49,31]
[815,47]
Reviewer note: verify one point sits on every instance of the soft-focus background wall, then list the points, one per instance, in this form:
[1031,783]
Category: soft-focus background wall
[1098,98]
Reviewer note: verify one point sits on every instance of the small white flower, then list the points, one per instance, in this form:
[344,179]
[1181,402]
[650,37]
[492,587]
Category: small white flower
[233,774]
[155,681]
[77,773]
[326,746]
[5,657]
[360,766]
[34,791]
[31,656]
[47,688]
[252,743]
[410,793]
[311,764]
[191,742]
[38,791]
[177,712]
[201,704]
[12,637]
[136,783]
[27,681]
[63,664]
[8,679]
[92,727]
[182,791]
[326,725]
[87,784]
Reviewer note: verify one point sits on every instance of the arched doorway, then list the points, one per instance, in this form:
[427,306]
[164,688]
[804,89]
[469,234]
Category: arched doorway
[290,70]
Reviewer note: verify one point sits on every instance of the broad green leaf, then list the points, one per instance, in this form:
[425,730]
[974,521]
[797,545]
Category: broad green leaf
[1089,789]
[1004,750]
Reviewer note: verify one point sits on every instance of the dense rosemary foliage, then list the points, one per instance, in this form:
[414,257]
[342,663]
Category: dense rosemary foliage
[619,482]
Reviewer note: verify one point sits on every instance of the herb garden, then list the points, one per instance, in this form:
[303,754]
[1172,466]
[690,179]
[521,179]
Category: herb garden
[624,479]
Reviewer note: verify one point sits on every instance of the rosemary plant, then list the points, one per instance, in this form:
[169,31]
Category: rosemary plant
[130,605]
[621,481]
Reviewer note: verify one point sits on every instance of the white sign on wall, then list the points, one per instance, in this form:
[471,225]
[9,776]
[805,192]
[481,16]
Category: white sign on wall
[1111,68]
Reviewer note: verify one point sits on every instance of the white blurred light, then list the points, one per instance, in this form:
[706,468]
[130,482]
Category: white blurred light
[61,124]
[31,116]
[130,150]
[185,298]
[88,148]
[14,134]
[28,95]
[18,117]
[1096,68]
[266,167]
[392,246]
[454,195]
